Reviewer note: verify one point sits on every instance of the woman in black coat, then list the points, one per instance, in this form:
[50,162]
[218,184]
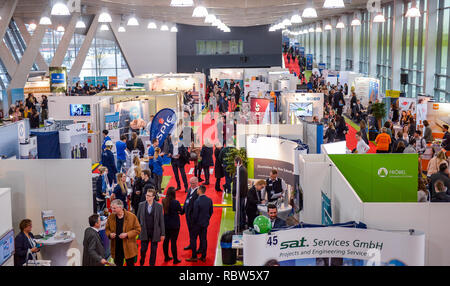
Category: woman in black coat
[206,155]
[136,144]
[172,211]
[218,169]
[138,188]
[25,247]
[341,128]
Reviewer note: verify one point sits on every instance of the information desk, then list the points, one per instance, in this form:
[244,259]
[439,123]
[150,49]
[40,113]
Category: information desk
[55,247]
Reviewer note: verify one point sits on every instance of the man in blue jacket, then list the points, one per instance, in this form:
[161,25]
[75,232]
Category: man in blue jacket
[203,210]
[108,162]
[121,155]
[106,138]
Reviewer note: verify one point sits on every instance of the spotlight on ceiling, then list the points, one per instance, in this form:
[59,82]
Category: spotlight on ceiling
[60,9]
[104,18]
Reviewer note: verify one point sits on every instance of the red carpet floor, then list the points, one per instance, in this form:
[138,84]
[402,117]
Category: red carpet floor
[351,140]
[292,65]
[214,226]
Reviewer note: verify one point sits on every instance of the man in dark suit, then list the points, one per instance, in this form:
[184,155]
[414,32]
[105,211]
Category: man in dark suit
[339,102]
[442,175]
[358,111]
[202,212]
[277,222]
[93,249]
[446,138]
[243,190]
[176,149]
[188,209]
[148,183]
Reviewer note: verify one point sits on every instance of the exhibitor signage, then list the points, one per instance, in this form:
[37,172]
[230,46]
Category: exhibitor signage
[335,246]
[380,177]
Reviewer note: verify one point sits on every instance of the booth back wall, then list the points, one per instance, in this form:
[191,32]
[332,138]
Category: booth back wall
[261,47]
[64,186]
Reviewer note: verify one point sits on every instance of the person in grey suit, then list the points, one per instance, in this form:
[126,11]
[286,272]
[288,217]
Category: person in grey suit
[93,249]
[151,218]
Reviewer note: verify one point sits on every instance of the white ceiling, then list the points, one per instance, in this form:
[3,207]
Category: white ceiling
[231,12]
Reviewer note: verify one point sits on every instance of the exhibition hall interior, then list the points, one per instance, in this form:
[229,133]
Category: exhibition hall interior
[224,133]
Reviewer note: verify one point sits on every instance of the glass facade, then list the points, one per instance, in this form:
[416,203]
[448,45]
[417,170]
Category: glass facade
[442,83]
[337,58]
[384,49]
[349,47]
[104,58]
[209,48]
[364,44]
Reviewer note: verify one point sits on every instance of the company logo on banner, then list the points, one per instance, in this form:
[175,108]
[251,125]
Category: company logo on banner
[309,62]
[382,172]
[259,107]
[162,125]
[78,129]
[335,246]
[58,79]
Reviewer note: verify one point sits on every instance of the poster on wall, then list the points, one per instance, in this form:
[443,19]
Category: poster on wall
[102,80]
[58,79]
[309,62]
[90,80]
[366,89]
[29,150]
[421,115]
[267,153]
[438,114]
[335,246]
[17,94]
[130,114]
[112,125]
[406,104]
[78,140]
[112,81]
[259,108]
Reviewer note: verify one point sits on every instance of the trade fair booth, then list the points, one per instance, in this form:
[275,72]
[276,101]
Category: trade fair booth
[379,190]
[6,229]
[57,196]
[15,139]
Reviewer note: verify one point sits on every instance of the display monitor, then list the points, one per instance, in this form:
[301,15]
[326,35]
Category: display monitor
[80,110]
[6,246]
[302,108]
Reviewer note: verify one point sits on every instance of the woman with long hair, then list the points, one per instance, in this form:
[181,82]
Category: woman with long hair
[330,134]
[120,191]
[363,130]
[138,186]
[435,162]
[157,163]
[136,144]
[131,172]
[172,211]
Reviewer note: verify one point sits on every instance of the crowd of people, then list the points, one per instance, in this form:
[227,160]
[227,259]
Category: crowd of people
[29,109]
[86,89]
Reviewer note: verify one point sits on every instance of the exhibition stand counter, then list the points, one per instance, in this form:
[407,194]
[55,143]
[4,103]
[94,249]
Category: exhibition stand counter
[55,248]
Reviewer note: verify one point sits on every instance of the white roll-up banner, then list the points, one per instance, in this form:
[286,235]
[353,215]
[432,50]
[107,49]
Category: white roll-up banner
[335,246]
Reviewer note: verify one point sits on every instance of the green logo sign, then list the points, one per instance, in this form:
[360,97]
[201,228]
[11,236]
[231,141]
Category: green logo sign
[382,172]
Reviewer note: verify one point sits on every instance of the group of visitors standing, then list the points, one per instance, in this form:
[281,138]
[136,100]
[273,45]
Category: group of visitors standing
[29,110]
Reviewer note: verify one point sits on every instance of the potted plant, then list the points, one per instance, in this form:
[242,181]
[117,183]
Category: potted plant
[231,155]
[379,112]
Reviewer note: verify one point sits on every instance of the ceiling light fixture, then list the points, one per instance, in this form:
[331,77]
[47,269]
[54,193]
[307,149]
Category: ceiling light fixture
[328,27]
[296,19]
[45,21]
[216,23]
[132,21]
[287,22]
[164,28]
[305,31]
[152,25]
[60,9]
[340,25]
[318,30]
[310,11]
[200,12]
[311,30]
[174,29]
[60,29]
[121,29]
[356,22]
[32,26]
[329,4]
[80,25]
[413,12]
[104,27]
[104,18]
[182,3]
[379,18]
[210,18]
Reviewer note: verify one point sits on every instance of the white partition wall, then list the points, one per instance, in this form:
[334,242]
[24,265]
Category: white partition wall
[64,186]
[291,132]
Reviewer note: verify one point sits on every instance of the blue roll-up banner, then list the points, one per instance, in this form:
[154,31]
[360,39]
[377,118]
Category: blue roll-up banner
[309,62]
[162,125]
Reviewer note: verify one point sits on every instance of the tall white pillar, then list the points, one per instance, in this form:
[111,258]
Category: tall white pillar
[430,48]
[333,44]
[373,40]
[356,43]
[396,47]
[40,61]
[61,51]
[344,43]
[6,13]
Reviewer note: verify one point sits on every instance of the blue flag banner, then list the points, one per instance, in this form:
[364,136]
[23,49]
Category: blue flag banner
[162,125]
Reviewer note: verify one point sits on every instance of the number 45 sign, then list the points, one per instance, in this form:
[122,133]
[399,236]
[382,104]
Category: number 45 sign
[272,240]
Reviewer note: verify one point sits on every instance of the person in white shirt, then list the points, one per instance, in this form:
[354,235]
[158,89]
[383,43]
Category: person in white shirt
[421,144]
[361,147]
[275,188]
